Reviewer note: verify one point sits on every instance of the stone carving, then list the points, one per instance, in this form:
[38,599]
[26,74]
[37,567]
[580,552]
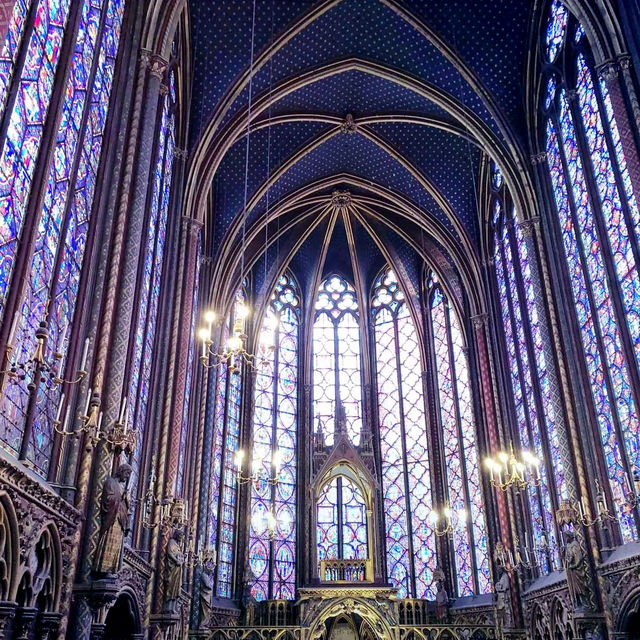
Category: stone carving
[341,418]
[206,594]
[577,572]
[442,597]
[349,125]
[340,198]
[174,559]
[502,599]
[114,522]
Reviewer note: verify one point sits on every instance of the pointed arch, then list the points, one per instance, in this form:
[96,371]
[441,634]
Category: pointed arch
[405,456]
[272,560]
[337,363]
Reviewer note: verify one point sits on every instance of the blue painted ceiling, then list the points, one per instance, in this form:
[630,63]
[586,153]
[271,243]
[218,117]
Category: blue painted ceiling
[427,41]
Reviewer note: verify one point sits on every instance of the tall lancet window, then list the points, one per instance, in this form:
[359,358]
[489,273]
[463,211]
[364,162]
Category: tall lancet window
[226,431]
[29,63]
[457,426]
[336,359]
[408,501]
[528,371]
[599,229]
[275,421]
[149,291]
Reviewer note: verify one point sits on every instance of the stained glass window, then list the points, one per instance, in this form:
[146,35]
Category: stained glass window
[599,226]
[341,520]
[519,313]
[226,432]
[21,145]
[272,558]
[556,29]
[336,358]
[149,291]
[462,482]
[408,501]
[61,237]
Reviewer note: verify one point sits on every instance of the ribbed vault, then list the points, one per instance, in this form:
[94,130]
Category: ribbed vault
[382,99]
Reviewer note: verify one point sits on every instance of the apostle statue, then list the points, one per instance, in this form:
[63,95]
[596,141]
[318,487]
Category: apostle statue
[174,559]
[502,599]
[577,572]
[442,597]
[206,594]
[114,522]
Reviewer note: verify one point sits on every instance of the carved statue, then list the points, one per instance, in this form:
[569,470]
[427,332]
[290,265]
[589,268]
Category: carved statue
[502,599]
[250,613]
[442,597]
[114,522]
[174,560]
[577,572]
[206,594]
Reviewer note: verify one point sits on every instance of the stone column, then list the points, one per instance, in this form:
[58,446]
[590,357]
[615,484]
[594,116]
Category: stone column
[6,9]
[617,84]
[118,308]
[568,431]
[480,329]
[169,434]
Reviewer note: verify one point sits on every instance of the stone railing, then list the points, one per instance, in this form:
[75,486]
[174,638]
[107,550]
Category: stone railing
[345,571]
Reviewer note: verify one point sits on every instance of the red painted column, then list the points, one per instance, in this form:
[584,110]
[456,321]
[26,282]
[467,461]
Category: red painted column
[480,328]
[184,309]
[6,9]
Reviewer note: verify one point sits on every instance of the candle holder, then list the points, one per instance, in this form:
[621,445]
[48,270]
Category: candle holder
[20,370]
[235,354]
[508,471]
[257,474]
[523,559]
[452,520]
[172,512]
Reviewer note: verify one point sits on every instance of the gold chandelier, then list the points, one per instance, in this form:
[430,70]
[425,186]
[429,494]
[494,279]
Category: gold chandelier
[510,471]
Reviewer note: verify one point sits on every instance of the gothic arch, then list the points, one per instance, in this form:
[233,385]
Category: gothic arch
[629,612]
[124,616]
[341,606]
[9,549]
[41,572]
[225,278]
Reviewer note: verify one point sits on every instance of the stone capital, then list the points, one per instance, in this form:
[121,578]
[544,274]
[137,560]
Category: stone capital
[527,226]
[155,64]
[572,95]
[608,71]
[539,158]
[180,154]
[480,320]
[192,224]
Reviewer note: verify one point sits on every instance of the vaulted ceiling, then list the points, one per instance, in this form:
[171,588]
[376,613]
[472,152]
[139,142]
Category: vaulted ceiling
[434,88]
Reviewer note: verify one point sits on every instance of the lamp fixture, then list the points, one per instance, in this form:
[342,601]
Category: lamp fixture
[510,471]
[257,474]
[234,353]
[121,436]
[451,520]
[18,371]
